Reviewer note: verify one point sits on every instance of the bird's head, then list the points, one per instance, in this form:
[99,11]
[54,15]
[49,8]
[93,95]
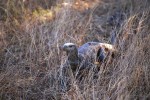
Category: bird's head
[69,47]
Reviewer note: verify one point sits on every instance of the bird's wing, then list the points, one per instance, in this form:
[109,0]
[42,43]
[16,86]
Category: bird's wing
[86,47]
[92,51]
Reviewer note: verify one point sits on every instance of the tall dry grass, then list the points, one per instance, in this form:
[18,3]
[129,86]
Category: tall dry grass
[31,33]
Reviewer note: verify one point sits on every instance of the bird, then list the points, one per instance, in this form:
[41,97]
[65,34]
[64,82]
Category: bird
[80,58]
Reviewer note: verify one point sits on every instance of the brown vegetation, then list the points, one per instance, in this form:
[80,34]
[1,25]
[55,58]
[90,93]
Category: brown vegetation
[31,32]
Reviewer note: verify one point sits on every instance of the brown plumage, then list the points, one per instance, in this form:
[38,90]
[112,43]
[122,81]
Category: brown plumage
[81,60]
[82,57]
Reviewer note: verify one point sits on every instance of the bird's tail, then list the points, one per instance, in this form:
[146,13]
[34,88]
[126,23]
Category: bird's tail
[107,47]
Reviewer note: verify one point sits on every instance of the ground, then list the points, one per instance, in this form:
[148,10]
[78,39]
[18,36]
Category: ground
[31,33]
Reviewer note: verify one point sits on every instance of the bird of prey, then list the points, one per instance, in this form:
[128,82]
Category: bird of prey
[81,60]
[86,54]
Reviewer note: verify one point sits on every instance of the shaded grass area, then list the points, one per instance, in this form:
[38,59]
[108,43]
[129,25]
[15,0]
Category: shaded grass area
[32,31]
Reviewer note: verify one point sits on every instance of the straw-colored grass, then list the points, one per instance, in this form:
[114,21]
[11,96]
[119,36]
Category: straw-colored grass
[31,33]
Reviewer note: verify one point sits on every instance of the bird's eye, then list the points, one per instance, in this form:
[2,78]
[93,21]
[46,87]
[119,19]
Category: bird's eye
[70,46]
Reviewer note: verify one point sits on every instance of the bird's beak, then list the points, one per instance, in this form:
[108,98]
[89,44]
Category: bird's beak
[63,48]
